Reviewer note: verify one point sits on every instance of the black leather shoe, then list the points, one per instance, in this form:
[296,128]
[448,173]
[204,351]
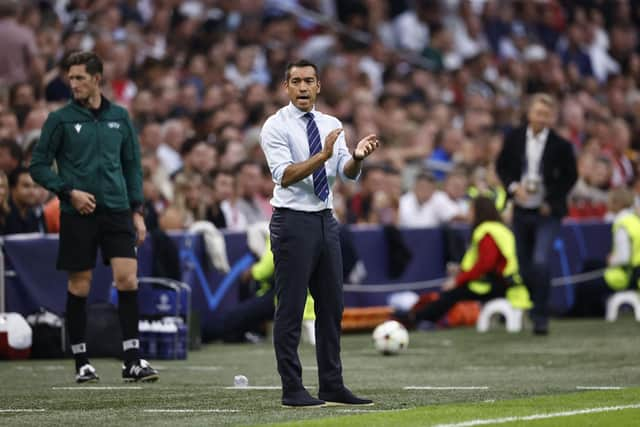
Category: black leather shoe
[343,397]
[301,399]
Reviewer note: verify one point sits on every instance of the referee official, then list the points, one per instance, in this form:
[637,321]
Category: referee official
[304,233]
[99,183]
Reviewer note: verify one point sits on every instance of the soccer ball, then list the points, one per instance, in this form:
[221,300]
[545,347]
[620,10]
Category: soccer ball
[390,337]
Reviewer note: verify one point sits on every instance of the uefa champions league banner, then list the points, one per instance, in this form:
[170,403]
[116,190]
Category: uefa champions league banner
[32,281]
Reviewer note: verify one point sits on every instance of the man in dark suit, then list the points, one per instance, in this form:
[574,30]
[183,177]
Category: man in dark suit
[538,168]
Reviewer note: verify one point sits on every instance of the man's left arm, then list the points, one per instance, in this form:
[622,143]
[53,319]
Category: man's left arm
[132,170]
[569,172]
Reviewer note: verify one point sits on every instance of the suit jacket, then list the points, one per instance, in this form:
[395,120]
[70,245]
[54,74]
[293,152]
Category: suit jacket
[558,166]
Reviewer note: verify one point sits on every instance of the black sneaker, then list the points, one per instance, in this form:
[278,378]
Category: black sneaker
[139,371]
[87,374]
[343,397]
[301,399]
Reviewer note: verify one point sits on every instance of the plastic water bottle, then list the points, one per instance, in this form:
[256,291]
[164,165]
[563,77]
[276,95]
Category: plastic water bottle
[240,381]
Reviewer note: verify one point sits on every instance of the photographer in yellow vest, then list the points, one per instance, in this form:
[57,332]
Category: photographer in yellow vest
[623,263]
[489,268]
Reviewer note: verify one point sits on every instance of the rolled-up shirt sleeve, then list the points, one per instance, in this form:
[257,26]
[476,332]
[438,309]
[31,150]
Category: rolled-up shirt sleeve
[342,151]
[276,150]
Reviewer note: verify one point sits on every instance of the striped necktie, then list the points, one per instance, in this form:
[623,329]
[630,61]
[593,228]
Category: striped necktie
[320,183]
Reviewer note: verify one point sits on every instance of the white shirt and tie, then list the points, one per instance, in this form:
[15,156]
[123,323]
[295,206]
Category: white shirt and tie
[534,150]
[284,141]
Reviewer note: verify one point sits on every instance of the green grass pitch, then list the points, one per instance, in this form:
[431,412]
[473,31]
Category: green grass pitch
[475,379]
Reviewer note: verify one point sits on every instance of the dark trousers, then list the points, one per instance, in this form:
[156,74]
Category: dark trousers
[306,250]
[434,311]
[535,235]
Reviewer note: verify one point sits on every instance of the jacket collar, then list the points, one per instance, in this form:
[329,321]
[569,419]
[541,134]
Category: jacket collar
[104,106]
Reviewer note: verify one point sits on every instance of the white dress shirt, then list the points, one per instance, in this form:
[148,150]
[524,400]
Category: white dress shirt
[534,150]
[284,141]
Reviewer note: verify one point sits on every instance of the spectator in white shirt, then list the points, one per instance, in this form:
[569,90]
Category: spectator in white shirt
[425,206]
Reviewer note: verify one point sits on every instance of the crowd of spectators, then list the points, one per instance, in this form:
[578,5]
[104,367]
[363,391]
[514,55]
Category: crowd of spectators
[440,82]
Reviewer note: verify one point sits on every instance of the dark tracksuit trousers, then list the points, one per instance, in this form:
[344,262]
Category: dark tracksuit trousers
[435,310]
[306,250]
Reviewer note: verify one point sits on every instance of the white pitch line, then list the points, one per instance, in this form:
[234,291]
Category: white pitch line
[540,416]
[255,387]
[588,387]
[417,387]
[262,387]
[99,388]
[183,411]
[21,410]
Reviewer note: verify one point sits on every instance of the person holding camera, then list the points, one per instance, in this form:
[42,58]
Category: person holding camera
[538,168]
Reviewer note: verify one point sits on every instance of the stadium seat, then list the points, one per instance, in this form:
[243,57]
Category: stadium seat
[617,300]
[512,316]
[309,331]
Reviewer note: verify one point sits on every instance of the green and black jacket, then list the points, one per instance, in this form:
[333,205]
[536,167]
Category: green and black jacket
[96,152]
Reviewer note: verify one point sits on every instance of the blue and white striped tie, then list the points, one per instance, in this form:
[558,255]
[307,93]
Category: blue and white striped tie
[320,183]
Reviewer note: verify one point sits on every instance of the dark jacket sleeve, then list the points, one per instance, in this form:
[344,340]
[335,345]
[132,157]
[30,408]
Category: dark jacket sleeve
[131,165]
[560,176]
[51,139]
[508,165]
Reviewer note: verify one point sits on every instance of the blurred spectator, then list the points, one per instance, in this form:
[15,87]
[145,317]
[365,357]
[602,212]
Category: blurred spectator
[251,203]
[174,134]
[448,142]
[425,205]
[23,203]
[622,173]
[455,187]
[22,98]
[19,49]
[10,156]
[223,189]
[230,204]
[359,205]
[4,201]
[198,157]
[588,198]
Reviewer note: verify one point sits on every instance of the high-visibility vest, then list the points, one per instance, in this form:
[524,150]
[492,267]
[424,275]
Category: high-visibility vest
[497,194]
[517,293]
[619,277]
[262,271]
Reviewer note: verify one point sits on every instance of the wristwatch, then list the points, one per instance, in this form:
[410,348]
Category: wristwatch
[353,155]
[65,194]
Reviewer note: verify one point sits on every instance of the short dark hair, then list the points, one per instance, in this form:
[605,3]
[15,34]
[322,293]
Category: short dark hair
[190,144]
[299,63]
[14,176]
[90,60]
[426,175]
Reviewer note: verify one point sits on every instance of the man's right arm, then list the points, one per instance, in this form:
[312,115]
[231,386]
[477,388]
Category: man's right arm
[43,155]
[276,149]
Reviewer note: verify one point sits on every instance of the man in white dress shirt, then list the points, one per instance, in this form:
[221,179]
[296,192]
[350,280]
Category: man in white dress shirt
[304,233]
